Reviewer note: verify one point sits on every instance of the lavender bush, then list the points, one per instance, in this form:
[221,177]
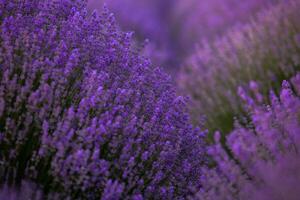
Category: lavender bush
[267,50]
[82,114]
[174,27]
[85,115]
[264,160]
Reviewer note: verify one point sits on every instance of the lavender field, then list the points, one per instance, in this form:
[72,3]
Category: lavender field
[149,99]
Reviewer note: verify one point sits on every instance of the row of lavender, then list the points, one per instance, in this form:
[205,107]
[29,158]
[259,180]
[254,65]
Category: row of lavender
[265,50]
[84,116]
[264,161]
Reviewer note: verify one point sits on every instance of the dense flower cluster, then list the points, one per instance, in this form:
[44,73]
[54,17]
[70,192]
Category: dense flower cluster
[267,50]
[264,160]
[175,26]
[82,114]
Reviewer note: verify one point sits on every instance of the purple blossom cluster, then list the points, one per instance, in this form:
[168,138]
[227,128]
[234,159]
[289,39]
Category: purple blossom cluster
[84,115]
[174,27]
[266,50]
[259,161]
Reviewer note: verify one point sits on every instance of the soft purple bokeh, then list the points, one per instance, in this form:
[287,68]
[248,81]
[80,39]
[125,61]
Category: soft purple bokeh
[267,50]
[25,191]
[174,27]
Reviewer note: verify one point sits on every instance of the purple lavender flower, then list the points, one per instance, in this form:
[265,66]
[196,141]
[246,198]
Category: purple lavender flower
[84,115]
[264,159]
